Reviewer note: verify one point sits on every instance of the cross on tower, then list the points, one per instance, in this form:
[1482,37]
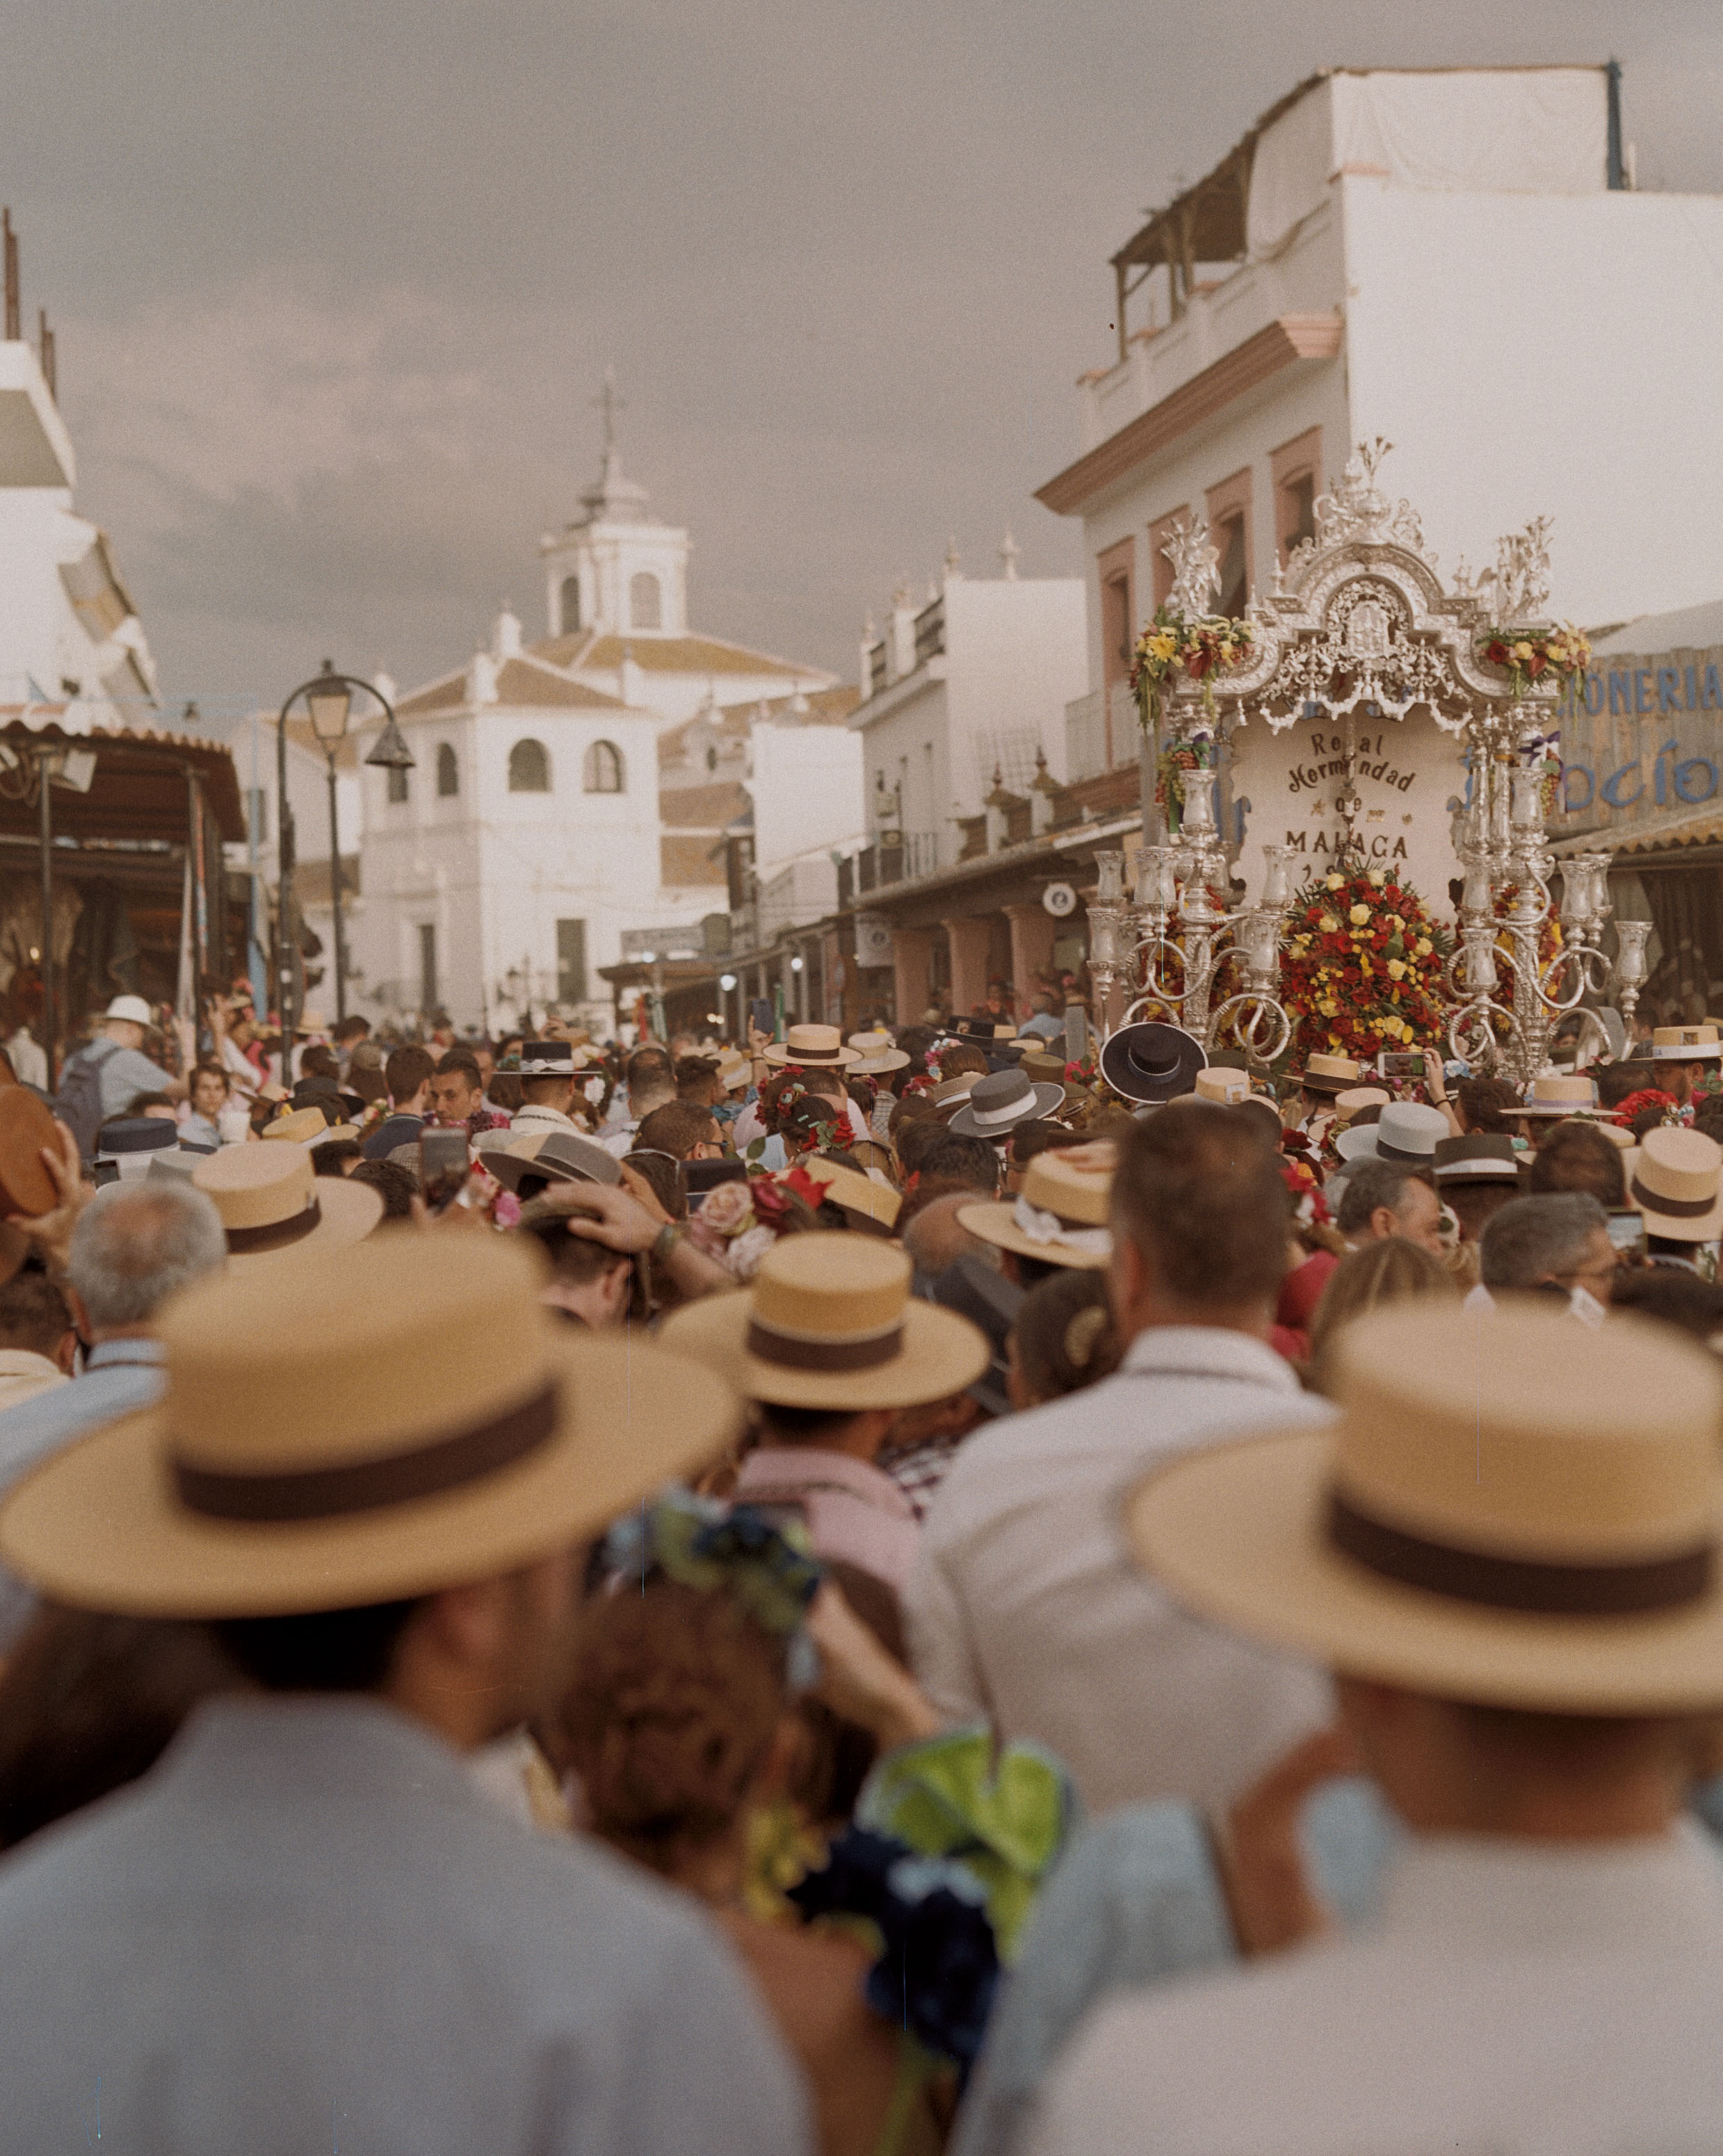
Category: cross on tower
[609,403]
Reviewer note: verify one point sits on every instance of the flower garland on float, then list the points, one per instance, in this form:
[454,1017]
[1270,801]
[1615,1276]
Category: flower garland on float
[1362,965]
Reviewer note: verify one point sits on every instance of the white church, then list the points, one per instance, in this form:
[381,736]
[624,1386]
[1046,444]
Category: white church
[500,872]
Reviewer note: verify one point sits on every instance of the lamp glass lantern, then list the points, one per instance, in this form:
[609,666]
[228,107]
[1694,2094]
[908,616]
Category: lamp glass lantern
[330,700]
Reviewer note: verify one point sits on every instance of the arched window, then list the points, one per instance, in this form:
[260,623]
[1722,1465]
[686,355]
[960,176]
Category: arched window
[529,769]
[645,603]
[603,771]
[448,772]
[570,605]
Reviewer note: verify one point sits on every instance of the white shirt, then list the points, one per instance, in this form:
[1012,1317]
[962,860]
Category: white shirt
[1027,1608]
[23,1373]
[1520,1998]
[535,1118]
[29,1063]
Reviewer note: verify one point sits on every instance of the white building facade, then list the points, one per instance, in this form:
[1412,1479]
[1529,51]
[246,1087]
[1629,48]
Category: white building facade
[1452,260]
[972,683]
[506,868]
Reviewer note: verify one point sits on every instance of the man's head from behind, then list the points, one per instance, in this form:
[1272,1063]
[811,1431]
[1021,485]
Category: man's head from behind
[681,1129]
[35,1319]
[651,1080]
[136,1246]
[408,1076]
[1559,1240]
[1577,1156]
[1381,1197]
[1199,1222]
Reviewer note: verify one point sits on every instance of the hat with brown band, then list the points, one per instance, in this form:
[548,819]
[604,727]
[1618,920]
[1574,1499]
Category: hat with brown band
[1060,1216]
[1327,1073]
[271,1202]
[829,1322]
[875,1053]
[1511,1510]
[810,1044]
[1675,1178]
[370,1426]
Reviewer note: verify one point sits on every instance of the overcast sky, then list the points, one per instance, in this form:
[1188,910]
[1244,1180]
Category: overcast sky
[335,281]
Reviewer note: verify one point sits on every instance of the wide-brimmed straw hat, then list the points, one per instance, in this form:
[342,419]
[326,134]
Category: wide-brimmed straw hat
[1558,1093]
[1685,1043]
[812,1045]
[1355,1099]
[1060,1216]
[369,1425]
[299,1127]
[1406,1132]
[950,1091]
[875,1204]
[735,1071]
[26,1127]
[1151,1062]
[1511,1511]
[875,1054]
[1327,1073]
[1003,1099]
[271,1203]
[1675,1178]
[548,1059]
[829,1322]
[560,1156]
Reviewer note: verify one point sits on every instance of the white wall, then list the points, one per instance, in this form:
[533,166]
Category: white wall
[1594,400]
[807,788]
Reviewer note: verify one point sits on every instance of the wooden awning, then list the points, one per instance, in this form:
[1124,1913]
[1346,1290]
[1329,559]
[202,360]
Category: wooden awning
[138,793]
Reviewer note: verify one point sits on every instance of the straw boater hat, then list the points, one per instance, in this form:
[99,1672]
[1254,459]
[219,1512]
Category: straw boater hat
[1685,1043]
[735,1071]
[360,1427]
[1151,1062]
[1355,1099]
[1675,1178]
[299,1127]
[1406,1132]
[557,1156]
[870,1204]
[1553,1093]
[950,1090]
[830,1323]
[1060,1216]
[875,1054]
[1230,1086]
[1478,1157]
[809,1044]
[1002,1100]
[1511,1511]
[1327,1073]
[271,1202]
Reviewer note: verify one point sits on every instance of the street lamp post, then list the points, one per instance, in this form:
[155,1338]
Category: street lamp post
[329,702]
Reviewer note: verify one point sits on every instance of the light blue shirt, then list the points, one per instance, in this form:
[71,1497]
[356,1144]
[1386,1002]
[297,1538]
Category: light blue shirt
[119,1377]
[306,1928]
[122,1074]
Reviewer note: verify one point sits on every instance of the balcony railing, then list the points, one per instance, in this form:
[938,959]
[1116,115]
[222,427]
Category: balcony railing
[892,858]
[1087,743]
[930,632]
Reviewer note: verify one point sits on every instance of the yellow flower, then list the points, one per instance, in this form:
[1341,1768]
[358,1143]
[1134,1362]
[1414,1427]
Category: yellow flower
[1424,946]
[1522,651]
[1333,882]
[1327,1006]
[1396,969]
[1328,924]
[1359,916]
[1163,644]
[1377,878]
[1395,922]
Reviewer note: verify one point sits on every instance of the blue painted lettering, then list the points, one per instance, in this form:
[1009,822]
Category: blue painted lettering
[1669,689]
[1610,792]
[1693,789]
[1642,690]
[1574,771]
[1620,693]
[1712,699]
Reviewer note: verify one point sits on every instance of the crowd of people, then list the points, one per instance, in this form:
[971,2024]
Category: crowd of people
[931,1588]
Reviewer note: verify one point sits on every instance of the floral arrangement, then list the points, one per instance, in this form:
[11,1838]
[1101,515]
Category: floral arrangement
[942,1865]
[1084,1070]
[1362,965]
[1627,1111]
[739,1222]
[1531,653]
[1173,644]
[701,1543]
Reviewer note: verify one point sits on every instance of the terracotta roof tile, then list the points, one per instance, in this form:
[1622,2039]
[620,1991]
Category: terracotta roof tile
[684,654]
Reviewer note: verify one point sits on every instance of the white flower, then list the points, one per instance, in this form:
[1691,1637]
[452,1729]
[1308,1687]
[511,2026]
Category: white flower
[744,1253]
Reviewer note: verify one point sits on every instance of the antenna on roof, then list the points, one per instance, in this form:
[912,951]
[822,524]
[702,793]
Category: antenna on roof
[13,319]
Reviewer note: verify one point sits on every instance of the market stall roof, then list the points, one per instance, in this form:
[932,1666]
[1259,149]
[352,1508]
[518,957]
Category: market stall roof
[138,793]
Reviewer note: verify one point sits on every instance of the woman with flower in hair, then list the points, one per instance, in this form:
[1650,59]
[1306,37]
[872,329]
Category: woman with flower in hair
[683,1724]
